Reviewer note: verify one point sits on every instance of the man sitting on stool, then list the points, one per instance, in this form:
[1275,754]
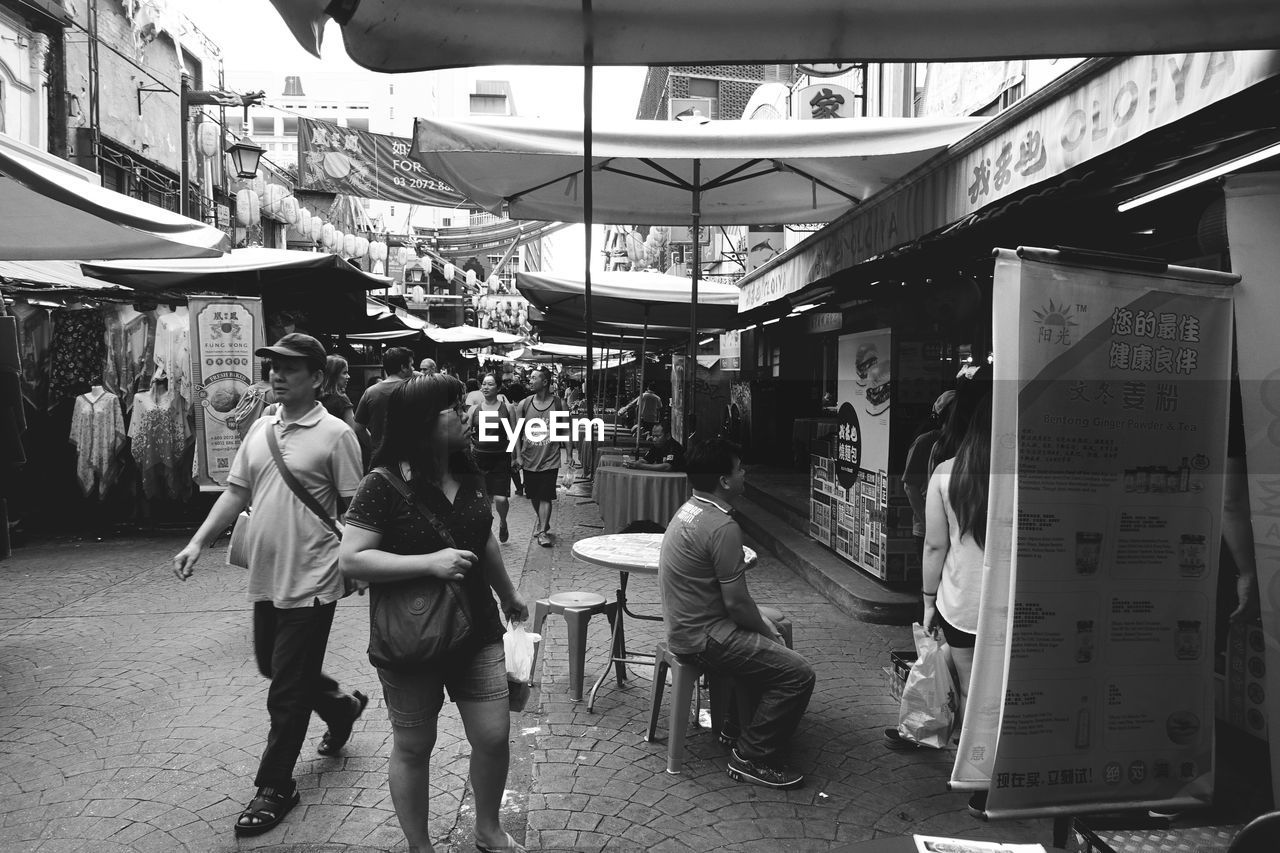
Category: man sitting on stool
[712,619]
[665,454]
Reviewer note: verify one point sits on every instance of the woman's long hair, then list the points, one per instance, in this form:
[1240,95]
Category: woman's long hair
[971,474]
[333,367]
[969,394]
[413,412]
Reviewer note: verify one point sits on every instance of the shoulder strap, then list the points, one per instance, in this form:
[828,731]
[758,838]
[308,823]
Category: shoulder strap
[403,488]
[292,482]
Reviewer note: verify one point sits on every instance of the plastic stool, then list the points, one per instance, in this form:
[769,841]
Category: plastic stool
[684,681]
[577,608]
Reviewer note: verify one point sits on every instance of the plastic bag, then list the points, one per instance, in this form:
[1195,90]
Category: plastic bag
[521,649]
[929,699]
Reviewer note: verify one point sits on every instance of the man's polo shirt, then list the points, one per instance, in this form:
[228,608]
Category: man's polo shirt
[701,549]
[293,555]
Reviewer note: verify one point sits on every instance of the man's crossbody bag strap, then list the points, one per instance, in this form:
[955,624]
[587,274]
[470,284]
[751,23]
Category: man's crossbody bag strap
[292,482]
[403,488]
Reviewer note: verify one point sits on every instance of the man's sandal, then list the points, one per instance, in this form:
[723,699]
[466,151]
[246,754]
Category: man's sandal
[337,736]
[266,810]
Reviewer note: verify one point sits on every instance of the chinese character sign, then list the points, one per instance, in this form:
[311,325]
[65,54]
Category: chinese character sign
[225,332]
[1109,442]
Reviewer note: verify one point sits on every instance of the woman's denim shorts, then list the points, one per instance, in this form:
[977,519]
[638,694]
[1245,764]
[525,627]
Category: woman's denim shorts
[416,699]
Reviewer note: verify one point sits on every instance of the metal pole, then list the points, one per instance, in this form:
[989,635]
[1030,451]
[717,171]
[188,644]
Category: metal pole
[588,85]
[184,190]
[644,346]
[691,365]
[617,393]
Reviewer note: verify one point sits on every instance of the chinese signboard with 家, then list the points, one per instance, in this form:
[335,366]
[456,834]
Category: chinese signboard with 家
[366,165]
[825,100]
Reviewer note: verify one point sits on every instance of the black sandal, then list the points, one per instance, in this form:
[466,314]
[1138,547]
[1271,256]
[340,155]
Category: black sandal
[268,808]
[337,736]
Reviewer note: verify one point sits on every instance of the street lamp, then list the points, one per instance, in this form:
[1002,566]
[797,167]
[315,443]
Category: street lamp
[188,98]
[245,154]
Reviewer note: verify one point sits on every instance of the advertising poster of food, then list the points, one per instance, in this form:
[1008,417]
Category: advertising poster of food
[850,491]
[354,162]
[225,331]
[1118,431]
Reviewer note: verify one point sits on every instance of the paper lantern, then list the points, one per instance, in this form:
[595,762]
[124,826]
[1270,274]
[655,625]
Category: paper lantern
[272,197]
[362,247]
[289,210]
[404,254]
[349,245]
[248,208]
[327,235]
[315,227]
[378,251]
[419,294]
[378,268]
[208,142]
[449,271]
[471,279]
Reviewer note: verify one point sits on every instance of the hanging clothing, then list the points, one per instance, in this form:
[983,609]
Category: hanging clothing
[12,417]
[97,431]
[77,352]
[130,342]
[173,353]
[158,438]
[35,334]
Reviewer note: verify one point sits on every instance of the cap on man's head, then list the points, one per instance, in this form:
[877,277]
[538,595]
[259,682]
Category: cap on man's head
[944,399]
[296,345]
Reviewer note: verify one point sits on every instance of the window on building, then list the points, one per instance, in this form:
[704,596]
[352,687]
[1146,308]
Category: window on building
[358,123]
[290,126]
[264,126]
[489,105]
[701,87]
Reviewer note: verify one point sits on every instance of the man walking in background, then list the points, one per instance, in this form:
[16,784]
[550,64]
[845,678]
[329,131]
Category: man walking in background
[294,582]
[371,414]
[541,459]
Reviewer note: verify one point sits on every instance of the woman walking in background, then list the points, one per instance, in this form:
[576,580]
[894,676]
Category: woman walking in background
[333,396]
[492,457]
[391,544]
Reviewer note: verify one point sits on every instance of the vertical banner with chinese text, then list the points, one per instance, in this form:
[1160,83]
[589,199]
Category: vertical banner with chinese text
[225,332]
[1119,424]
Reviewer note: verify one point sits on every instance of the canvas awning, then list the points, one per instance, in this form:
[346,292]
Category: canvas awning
[628,298]
[53,210]
[470,336]
[242,271]
[403,35]
[644,171]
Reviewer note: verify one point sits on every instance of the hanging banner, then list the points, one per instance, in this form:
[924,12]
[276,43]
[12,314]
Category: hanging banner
[366,165]
[731,350]
[1253,217]
[1114,448]
[225,332]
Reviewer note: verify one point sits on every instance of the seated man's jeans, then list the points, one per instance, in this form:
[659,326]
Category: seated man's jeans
[778,680]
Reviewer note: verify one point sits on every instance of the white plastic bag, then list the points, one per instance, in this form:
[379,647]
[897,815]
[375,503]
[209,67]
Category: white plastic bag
[928,709]
[520,646]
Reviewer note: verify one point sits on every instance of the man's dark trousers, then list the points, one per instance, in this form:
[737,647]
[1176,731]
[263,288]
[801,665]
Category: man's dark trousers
[289,644]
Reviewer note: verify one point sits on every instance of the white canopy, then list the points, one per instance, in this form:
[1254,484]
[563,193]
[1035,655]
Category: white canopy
[751,171]
[53,210]
[471,336]
[238,269]
[628,298]
[409,35]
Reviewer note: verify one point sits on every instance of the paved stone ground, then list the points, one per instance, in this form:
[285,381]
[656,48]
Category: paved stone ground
[132,717]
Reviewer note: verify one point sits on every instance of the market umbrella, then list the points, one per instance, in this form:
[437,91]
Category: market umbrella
[653,172]
[51,210]
[404,35]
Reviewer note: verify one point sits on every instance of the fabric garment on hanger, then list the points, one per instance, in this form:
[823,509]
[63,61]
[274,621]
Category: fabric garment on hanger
[35,334]
[77,352]
[130,342]
[97,431]
[173,353]
[158,437]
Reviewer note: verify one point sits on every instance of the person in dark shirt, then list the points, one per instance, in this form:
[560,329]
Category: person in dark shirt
[665,454]
[371,412]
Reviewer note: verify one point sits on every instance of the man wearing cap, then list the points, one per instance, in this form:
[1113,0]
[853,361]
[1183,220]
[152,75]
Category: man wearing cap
[371,412]
[294,582]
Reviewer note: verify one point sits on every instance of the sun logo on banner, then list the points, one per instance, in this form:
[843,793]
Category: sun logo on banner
[1056,323]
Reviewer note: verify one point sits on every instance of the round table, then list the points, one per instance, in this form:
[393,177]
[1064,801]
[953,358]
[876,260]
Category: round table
[626,495]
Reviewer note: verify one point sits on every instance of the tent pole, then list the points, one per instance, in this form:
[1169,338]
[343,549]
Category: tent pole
[588,84]
[644,346]
[691,358]
[617,393]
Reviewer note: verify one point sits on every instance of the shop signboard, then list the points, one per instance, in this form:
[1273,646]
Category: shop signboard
[850,494]
[225,331]
[354,162]
[764,243]
[1109,443]
[731,350]
[825,100]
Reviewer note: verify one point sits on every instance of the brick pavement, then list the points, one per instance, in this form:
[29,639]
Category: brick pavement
[132,718]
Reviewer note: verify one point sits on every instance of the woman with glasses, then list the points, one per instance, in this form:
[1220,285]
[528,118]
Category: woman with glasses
[387,541]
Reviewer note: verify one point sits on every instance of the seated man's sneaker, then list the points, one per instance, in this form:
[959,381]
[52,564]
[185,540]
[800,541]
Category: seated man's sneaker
[759,773]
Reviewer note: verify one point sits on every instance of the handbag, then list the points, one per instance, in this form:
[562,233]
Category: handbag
[419,622]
